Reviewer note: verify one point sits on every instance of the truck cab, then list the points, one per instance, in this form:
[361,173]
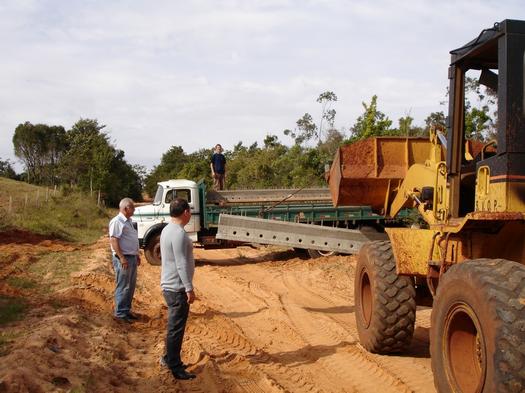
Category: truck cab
[151,219]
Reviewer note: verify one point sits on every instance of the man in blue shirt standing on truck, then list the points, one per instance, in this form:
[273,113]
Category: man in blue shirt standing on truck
[218,168]
[178,266]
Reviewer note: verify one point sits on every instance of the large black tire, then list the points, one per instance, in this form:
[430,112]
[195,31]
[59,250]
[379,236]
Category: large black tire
[385,305]
[152,250]
[477,335]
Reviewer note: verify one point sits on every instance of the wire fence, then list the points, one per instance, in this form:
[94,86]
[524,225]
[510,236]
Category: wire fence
[15,204]
[23,201]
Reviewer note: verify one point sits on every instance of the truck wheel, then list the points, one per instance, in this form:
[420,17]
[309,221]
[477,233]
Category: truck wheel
[319,253]
[152,250]
[385,305]
[478,328]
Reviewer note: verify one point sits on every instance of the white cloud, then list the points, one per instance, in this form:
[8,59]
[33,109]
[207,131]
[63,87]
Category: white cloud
[195,73]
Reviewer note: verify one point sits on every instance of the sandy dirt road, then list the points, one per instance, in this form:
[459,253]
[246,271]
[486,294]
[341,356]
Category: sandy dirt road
[265,321]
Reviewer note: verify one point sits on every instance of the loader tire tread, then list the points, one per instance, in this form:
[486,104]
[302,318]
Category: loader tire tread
[393,311]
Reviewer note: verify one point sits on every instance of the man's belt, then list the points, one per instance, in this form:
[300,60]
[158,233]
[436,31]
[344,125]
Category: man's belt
[126,255]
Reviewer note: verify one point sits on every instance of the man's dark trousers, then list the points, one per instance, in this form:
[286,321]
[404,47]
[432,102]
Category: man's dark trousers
[178,310]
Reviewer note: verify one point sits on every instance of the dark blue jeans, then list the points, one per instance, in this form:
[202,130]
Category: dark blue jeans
[126,280]
[178,310]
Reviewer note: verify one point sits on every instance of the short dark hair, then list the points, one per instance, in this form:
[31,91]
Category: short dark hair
[178,206]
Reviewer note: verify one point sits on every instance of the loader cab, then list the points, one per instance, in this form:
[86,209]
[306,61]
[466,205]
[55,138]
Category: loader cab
[493,180]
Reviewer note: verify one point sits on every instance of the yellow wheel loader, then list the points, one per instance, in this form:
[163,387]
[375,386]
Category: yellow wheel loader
[467,260]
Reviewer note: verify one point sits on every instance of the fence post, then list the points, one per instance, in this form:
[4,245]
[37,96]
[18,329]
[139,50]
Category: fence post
[25,201]
[47,194]
[10,208]
[98,198]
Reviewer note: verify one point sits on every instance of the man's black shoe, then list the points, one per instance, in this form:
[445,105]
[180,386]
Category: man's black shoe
[162,362]
[133,317]
[182,374]
[123,319]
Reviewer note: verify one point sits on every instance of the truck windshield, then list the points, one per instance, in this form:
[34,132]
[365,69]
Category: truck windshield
[158,196]
[178,193]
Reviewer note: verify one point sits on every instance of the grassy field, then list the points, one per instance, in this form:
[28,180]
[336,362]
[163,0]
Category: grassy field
[70,216]
[34,276]
[15,189]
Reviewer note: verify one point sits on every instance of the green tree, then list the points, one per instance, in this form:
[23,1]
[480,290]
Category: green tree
[481,114]
[275,165]
[407,128]
[28,142]
[6,169]
[327,113]
[237,162]
[271,165]
[40,147]
[171,164]
[92,164]
[304,131]
[405,125]
[197,166]
[88,160]
[141,172]
[258,167]
[436,120]
[303,167]
[271,141]
[327,149]
[372,122]
[479,123]
[121,181]
[56,145]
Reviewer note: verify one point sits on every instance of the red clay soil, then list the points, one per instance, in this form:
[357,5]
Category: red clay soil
[18,236]
[264,321]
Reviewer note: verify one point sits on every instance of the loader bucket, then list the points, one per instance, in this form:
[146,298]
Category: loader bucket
[369,171]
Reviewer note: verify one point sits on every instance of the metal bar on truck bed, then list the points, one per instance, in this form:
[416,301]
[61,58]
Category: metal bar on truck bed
[316,237]
[277,195]
[306,212]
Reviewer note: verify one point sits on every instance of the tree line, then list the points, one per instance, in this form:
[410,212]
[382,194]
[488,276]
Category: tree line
[84,157]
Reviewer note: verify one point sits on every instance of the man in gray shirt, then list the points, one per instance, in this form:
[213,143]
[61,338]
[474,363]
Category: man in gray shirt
[176,277]
[124,242]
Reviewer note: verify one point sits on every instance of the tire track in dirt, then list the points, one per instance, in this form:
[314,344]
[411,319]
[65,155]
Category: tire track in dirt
[287,360]
[306,358]
[414,372]
[409,373]
[406,370]
[348,367]
[229,343]
[215,347]
[233,359]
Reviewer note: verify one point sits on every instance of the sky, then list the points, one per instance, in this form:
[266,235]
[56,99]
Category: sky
[196,73]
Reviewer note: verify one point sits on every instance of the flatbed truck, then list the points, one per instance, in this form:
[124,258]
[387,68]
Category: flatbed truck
[212,213]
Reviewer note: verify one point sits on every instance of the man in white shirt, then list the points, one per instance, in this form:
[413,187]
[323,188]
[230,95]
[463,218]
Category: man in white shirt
[123,238]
